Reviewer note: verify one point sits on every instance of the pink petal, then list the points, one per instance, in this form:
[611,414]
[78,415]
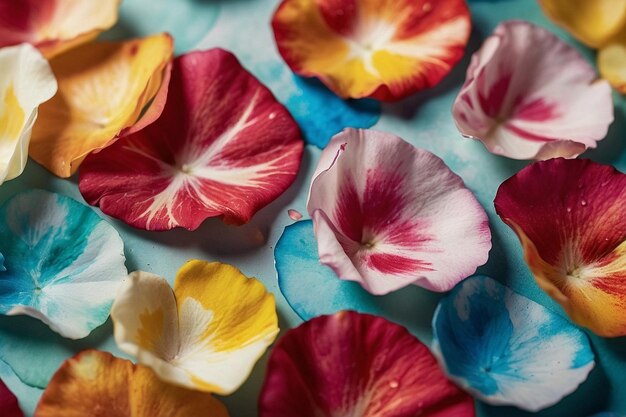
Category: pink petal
[526,90]
[387,215]
[351,364]
[8,403]
[223,146]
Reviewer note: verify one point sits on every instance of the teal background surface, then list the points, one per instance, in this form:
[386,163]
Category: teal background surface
[423,119]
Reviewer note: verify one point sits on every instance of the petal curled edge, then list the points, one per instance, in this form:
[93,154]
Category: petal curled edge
[529,95]
[97,384]
[569,216]
[357,364]
[365,48]
[105,89]
[387,215]
[205,334]
[223,147]
[506,349]
[27,81]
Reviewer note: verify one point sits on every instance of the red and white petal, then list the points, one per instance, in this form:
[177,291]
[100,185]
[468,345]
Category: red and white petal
[356,364]
[387,215]
[526,89]
[223,146]
[570,218]
[370,48]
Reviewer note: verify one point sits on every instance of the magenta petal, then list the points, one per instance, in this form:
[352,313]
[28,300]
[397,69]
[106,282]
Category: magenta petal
[8,403]
[352,364]
[388,215]
[529,95]
[222,147]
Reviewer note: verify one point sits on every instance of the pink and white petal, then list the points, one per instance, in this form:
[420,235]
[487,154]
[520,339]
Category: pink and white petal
[223,147]
[387,215]
[356,364]
[525,87]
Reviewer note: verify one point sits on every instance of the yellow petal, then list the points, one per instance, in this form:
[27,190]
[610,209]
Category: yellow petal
[97,384]
[104,88]
[593,22]
[612,64]
[210,340]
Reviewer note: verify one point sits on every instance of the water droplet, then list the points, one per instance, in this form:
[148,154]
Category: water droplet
[272,116]
[294,214]
[394,384]
[427,7]
[569,209]
[583,203]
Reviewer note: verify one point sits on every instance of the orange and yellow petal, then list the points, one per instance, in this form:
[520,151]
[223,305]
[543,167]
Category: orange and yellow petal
[593,22]
[569,217]
[55,26]
[104,89]
[364,48]
[210,339]
[97,384]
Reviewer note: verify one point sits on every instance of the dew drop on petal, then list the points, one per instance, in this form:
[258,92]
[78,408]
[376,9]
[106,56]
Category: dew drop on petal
[583,203]
[394,384]
[569,209]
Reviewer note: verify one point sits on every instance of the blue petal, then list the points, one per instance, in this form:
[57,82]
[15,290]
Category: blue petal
[63,262]
[321,114]
[313,289]
[506,349]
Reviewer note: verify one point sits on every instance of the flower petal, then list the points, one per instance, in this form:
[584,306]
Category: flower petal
[207,334]
[569,216]
[612,63]
[222,147]
[27,81]
[382,211]
[357,364]
[364,48]
[506,349]
[97,384]
[61,269]
[592,22]
[55,26]
[529,95]
[104,89]
[8,403]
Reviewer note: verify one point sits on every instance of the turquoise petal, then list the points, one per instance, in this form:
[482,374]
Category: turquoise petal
[63,262]
[321,114]
[313,289]
[506,349]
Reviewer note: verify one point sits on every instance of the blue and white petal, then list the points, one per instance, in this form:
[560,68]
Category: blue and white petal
[63,262]
[506,349]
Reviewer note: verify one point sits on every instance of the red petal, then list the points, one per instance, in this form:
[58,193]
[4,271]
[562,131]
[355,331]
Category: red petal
[8,403]
[223,146]
[357,364]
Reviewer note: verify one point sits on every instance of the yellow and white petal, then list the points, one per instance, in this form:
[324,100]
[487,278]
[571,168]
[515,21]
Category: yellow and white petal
[26,81]
[210,339]
[105,88]
[593,22]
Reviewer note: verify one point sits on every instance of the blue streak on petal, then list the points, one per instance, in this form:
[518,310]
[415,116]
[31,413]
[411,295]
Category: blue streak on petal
[507,349]
[2,267]
[63,261]
[321,114]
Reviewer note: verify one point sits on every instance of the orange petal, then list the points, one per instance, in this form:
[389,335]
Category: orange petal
[104,89]
[593,22]
[55,26]
[364,48]
[97,384]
